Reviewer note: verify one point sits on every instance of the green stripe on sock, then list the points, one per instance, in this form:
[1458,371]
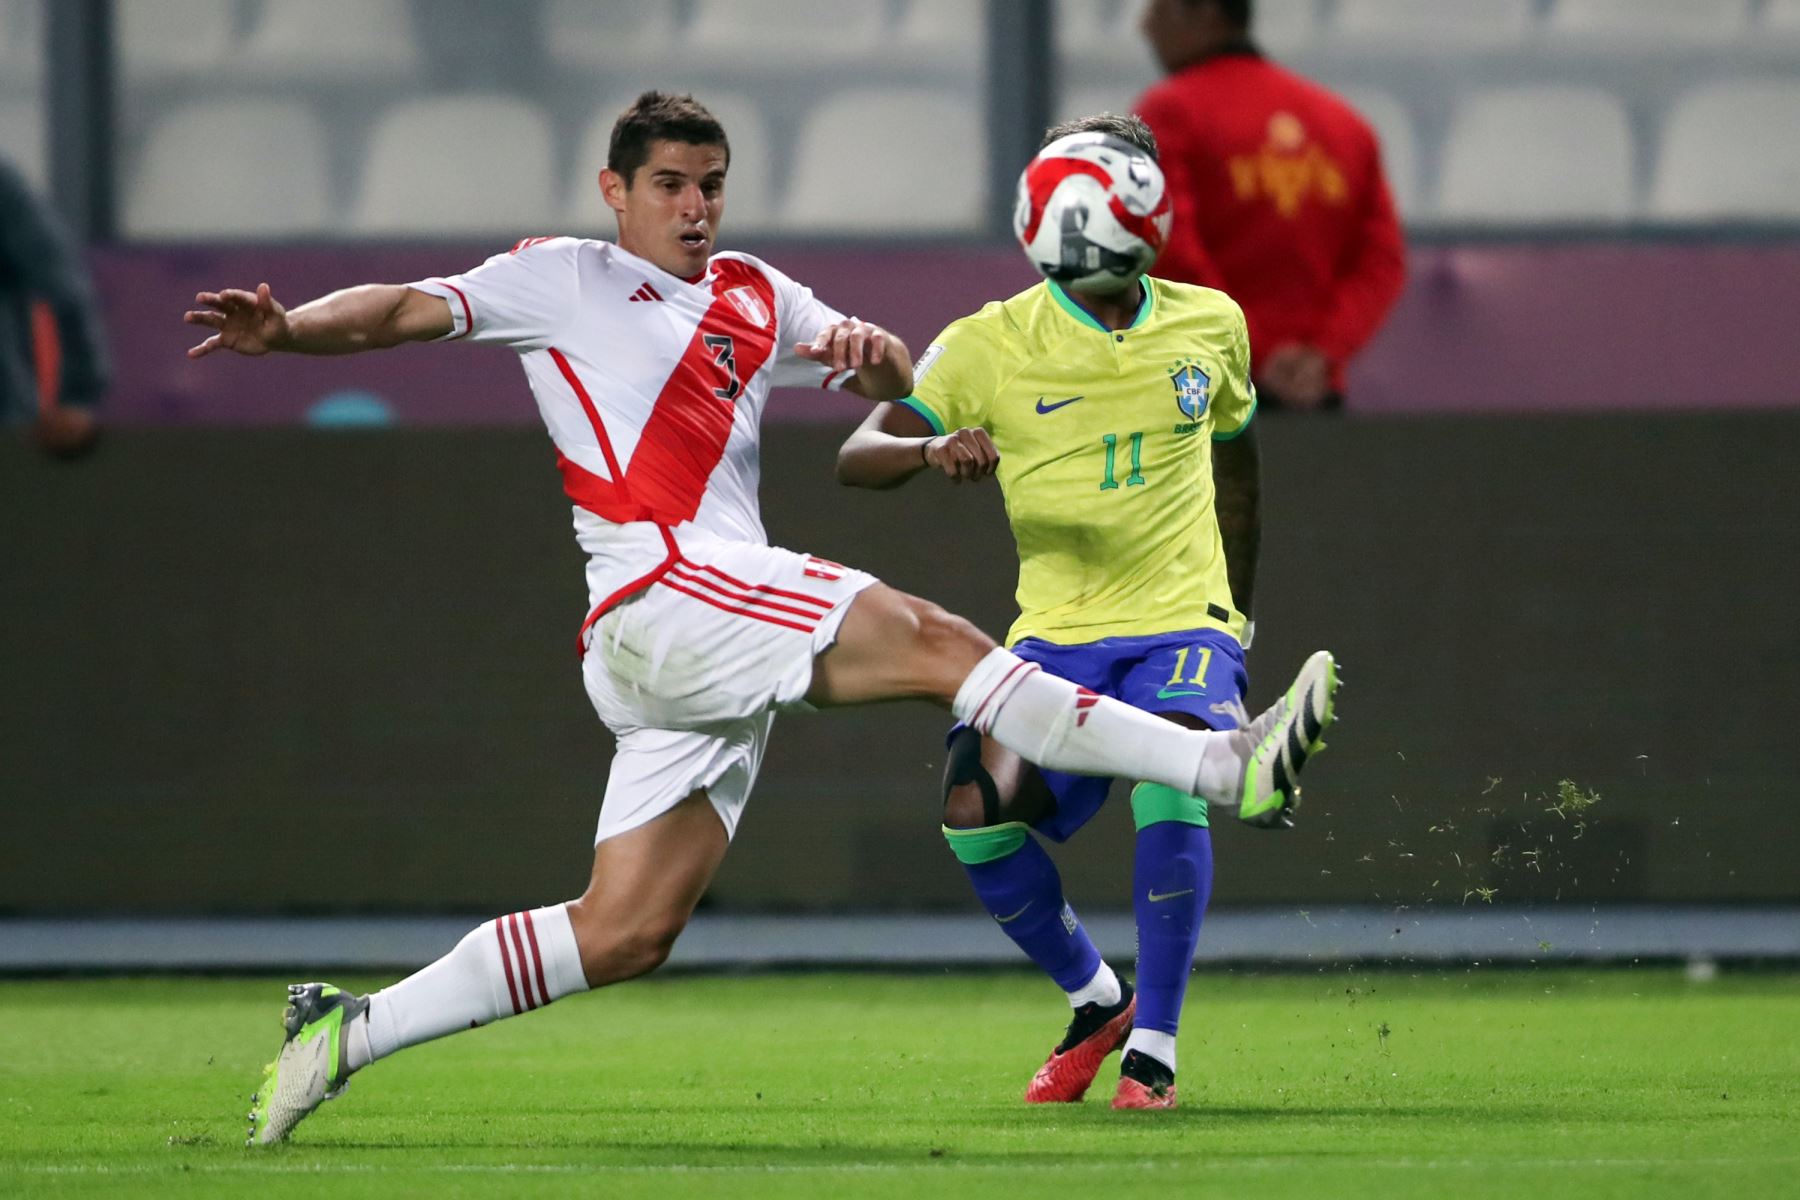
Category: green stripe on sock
[1153,802]
[976,846]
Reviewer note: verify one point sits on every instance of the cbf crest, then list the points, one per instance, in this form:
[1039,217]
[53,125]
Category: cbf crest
[1193,387]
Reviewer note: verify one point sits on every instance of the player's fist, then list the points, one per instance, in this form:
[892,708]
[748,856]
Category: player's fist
[847,345]
[963,454]
[244,322]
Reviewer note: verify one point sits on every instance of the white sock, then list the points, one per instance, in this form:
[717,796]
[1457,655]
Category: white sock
[1052,723]
[509,965]
[1158,1045]
[1103,989]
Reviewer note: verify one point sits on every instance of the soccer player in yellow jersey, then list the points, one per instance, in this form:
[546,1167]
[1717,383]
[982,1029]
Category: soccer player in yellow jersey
[1119,425]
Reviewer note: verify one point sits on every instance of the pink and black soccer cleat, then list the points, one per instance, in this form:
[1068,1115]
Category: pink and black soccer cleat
[1144,1083]
[1095,1033]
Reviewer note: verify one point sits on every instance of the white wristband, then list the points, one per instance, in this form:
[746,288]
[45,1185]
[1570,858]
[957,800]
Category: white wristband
[1249,633]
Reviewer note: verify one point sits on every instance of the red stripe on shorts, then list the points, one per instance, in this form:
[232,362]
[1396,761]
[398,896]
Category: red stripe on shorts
[708,598]
[686,574]
[802,597]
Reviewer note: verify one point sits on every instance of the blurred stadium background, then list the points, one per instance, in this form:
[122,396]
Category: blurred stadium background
[1550,538]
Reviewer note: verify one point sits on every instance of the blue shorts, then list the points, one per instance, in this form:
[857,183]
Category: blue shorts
[1185,672]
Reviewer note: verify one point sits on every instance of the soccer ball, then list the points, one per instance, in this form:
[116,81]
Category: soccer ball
[1093,212]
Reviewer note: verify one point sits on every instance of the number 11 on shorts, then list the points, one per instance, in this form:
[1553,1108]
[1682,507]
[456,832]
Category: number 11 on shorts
[1202,660]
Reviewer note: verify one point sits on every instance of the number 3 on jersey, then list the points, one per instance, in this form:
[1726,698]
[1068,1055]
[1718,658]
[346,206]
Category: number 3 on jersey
[723,351]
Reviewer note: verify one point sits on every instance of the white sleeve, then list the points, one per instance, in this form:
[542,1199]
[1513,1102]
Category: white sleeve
[799,315]
[522,298]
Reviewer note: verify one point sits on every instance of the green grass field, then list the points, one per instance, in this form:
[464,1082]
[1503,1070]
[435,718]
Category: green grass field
[1466,1084]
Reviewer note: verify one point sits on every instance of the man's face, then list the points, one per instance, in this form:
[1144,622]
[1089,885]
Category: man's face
[670,208]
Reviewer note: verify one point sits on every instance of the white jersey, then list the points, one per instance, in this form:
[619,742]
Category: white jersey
[652,388]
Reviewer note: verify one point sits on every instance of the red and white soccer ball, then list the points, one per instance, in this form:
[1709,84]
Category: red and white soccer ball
[1093,212]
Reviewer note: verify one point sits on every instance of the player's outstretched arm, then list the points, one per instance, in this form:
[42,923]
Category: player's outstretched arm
[895,443]
[882,364]
[371,317]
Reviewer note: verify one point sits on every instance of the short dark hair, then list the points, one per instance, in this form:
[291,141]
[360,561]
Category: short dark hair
[1126,128]
[661,117]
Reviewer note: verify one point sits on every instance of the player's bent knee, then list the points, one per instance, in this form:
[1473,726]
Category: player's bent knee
[971,798]
[625,950]
[1153,803]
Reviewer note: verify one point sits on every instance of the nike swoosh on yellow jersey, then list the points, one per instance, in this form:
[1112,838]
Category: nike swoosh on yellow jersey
[1157,899]
[1050,408]
[1015,916]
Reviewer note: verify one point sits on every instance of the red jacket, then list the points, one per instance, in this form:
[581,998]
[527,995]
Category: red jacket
[1279,201]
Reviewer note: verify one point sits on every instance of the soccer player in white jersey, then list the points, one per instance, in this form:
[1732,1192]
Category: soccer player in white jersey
[650,360]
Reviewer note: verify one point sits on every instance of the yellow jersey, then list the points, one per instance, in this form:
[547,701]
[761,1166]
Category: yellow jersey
[1105,440]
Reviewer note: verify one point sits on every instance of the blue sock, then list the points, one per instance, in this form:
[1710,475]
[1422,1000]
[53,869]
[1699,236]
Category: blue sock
[1173,861]
[1023,892]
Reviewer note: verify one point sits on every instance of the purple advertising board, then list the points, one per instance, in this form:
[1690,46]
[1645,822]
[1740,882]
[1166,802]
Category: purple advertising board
[1624,326]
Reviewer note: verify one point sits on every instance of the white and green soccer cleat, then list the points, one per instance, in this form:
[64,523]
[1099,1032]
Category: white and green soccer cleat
[311,1066]
[1291,731]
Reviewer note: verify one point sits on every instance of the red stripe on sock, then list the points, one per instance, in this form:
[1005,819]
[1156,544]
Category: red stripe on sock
[537,956]
[981,709]
[512,923]
[506,961]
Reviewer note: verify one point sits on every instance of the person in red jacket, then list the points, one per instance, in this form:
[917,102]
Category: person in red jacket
[1279,199]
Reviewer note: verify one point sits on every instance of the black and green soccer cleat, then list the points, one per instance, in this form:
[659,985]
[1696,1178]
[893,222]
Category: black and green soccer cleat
[1283,738]
[310,1069]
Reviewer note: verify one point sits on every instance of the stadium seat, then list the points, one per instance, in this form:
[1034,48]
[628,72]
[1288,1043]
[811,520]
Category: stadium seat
[777,33]
[1782,19]
[21,44]
[1542,153]
[175,37]
[459,164]
[1632,26]
[22,142]
[748,191]
[580,33]
[1085,102]
[1411,26]
[1286,27]
[1394,129]
[1095,33]
[331,39]
[847,177]
[947,32]
[1729,151]
[252,168]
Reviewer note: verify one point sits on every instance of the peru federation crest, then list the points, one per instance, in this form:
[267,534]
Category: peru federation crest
[747,302]
[1192,389]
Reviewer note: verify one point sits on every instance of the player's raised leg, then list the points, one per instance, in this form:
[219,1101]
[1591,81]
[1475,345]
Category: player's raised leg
[643,890]
[893,646]
[991,801]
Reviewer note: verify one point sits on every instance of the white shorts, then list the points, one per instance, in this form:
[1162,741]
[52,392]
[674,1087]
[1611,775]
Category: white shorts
[690,671]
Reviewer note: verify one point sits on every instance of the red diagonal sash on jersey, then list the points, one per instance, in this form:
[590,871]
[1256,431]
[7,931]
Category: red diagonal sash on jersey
[688,427]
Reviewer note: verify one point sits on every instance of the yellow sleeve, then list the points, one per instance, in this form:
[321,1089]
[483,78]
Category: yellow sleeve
[1234,397]
[955,379]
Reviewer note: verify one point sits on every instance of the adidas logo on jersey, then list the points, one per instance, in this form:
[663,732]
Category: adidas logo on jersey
[645,292]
